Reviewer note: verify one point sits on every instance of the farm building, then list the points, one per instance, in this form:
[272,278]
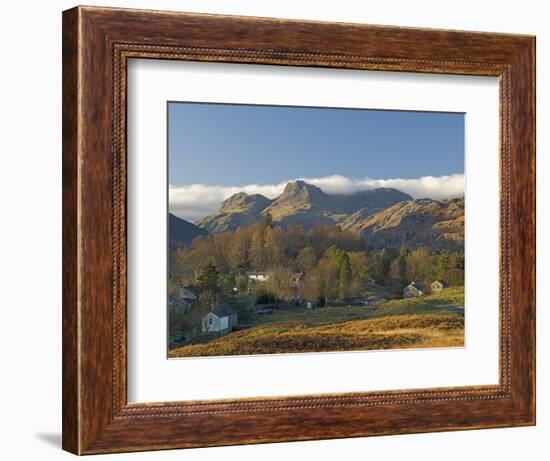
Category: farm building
[413,290]
[222,319]
[438,285]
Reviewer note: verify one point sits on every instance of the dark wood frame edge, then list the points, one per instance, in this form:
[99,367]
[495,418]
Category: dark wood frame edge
[96,45]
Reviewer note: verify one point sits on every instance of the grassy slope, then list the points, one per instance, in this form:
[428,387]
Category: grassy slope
[429,321]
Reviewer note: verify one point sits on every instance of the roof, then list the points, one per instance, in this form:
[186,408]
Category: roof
[190,289]
[416,285]
[225,310]
[443,282]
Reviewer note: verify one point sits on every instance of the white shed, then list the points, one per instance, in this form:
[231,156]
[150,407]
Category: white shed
[222,319]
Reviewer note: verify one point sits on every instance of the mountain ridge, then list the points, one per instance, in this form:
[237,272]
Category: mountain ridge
[299,203]
[385,217]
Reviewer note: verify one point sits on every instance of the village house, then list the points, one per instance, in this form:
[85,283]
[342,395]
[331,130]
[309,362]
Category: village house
[187,293]
[412,290]
[259,276]
[182,299]
[220,320]
[437,286]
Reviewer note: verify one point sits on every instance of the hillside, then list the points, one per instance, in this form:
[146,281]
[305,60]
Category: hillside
[399,332]
[181,232]
[428,321]
[415,223]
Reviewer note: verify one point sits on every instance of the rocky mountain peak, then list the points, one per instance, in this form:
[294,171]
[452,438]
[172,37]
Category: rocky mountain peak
[300,190]
[242,202]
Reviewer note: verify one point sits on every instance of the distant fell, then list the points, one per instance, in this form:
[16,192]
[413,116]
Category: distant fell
[181,232]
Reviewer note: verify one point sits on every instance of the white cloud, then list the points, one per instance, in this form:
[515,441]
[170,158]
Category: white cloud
[198,200]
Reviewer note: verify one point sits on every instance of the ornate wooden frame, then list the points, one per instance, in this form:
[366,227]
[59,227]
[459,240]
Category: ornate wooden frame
[97,43]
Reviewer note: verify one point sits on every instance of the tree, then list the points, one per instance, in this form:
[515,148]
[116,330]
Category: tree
[268,219]
[381,266]
[442,264]
[238,252]
[208,280]
[398,275]
[359,261]
[257,251]
[421,265]
[343,271]
[454,274]
[230,282]
[306,259]
[321,283]
[273,248]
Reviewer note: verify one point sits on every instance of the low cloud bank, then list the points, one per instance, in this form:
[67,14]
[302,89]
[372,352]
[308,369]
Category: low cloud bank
[198,200]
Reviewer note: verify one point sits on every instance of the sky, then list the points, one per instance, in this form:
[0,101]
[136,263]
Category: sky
[215,150]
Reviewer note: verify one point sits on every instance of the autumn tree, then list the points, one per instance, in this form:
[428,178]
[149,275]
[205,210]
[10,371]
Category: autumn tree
[306,259]
[421,265]
[273,247]
[321,284]
[238,252]
[257,253]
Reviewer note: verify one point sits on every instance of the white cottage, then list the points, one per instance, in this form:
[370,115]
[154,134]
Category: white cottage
[221,320]
[438,286]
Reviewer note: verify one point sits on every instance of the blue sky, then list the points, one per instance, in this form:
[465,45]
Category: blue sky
[224,148]
[241,144]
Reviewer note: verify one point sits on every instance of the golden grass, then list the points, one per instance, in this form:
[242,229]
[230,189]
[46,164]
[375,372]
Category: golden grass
[392,332]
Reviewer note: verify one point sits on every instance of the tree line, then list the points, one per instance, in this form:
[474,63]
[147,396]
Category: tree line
[322,265]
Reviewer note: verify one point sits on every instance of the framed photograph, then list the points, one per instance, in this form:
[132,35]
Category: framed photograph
[282,230]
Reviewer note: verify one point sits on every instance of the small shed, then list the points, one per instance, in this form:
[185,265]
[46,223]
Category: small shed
[438,286]
[412,290]
[221,320]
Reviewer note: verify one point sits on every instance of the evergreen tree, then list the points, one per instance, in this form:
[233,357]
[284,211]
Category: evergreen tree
[381,266]
[208,280]
[442,265]
[403,253]
[343,271]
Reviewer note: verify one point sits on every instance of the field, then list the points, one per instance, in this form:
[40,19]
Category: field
[428,321]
